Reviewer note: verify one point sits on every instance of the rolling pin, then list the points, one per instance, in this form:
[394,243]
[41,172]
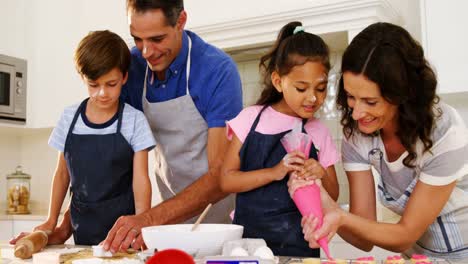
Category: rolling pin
[30,244]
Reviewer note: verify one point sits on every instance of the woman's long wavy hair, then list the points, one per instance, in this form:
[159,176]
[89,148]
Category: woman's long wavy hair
[288,51]
[387,55]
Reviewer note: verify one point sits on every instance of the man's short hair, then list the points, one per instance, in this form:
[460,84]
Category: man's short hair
[170,8]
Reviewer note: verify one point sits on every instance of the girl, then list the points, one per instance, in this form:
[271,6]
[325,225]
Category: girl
[257,166]
[103,146]
[394,122]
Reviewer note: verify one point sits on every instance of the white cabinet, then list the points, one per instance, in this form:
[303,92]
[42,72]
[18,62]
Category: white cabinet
[445,40]
[19,226]
[46,35]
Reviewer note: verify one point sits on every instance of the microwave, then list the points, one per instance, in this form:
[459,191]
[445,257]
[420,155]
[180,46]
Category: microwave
[13,88]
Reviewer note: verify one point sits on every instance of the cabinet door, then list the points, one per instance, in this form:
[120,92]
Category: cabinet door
[6,230]
[24,225]
[445,40]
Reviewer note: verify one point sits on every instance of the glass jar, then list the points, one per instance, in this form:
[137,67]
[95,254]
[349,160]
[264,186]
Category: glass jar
[18,192]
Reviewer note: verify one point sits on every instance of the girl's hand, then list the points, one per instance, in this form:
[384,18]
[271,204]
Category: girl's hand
[311,170]
[291,162]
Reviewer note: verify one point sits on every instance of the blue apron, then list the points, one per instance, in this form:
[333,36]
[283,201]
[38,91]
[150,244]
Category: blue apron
[269,212]
[101,173]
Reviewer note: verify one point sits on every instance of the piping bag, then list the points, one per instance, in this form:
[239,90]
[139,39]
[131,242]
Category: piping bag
[307,198]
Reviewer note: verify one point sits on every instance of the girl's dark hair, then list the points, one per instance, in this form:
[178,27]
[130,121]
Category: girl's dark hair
[288,51]
[171,9]
[100,52]
[387,55]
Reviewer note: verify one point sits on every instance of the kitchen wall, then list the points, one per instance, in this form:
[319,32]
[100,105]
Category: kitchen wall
[10,155]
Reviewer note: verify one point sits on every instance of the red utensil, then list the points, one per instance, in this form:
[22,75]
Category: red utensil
[171,256]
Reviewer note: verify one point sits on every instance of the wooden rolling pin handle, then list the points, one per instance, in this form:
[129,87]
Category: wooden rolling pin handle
[30,244]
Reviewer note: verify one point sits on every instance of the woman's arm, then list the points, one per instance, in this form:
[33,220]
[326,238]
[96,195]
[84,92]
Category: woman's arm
[141,182]
[233,180]
[330,183]
[362,202]
[425,204]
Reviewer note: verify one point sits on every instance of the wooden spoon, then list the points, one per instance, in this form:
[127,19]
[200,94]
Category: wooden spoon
[201,217]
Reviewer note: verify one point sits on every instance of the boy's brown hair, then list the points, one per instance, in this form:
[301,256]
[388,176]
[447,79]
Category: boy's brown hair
[100,52]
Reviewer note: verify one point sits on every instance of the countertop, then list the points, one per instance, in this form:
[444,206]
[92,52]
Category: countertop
[7,257]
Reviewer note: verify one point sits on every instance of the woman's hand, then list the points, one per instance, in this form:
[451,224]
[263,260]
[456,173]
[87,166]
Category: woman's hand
[295,183]
[291,162]
[332,220]
[311,170]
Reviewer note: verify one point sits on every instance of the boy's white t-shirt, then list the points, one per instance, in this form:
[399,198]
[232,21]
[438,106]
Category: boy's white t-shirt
[135,128]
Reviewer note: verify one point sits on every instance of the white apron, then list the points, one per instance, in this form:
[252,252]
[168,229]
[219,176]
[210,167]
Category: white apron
[181,136]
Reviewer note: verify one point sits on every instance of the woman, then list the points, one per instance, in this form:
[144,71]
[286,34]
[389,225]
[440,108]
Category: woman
[393,121]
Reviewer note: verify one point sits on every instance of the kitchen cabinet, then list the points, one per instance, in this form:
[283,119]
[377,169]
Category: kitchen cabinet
[445,42]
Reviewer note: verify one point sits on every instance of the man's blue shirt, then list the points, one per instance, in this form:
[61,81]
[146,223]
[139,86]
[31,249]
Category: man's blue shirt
[214,82]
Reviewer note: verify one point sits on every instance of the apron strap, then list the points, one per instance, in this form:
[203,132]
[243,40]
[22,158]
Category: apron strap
[75,118]
[187,71]
[257,119]
[304,122]
[120,113]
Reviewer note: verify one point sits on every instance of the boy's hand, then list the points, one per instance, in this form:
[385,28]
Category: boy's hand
[48,226]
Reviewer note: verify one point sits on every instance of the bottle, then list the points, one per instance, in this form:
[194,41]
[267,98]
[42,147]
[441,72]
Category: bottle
[18,192]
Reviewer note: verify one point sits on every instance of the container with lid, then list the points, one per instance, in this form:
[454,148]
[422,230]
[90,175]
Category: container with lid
[18,192]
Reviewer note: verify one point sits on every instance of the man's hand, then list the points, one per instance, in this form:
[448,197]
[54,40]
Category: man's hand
[126,232]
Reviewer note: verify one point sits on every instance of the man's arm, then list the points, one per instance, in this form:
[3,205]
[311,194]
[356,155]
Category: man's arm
[193,199]
[186,204]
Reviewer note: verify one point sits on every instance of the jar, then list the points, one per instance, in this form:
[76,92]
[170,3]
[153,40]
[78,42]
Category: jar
[18,192]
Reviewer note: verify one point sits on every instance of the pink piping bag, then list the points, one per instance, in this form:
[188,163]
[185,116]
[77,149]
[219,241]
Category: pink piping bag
[307,198]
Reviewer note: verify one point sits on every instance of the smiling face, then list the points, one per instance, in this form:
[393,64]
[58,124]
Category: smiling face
[104,92]
[158,41]
[370,110]
[304,89]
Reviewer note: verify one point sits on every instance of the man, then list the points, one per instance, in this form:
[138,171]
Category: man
[187,89]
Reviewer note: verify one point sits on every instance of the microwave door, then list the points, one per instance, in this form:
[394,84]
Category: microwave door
[7,89]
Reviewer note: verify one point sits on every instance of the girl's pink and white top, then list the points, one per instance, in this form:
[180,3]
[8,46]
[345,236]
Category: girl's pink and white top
[274,122]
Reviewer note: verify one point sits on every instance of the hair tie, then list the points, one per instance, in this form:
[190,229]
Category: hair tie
[298,29]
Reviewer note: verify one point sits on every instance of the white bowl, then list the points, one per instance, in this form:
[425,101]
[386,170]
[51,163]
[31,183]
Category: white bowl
[206,240]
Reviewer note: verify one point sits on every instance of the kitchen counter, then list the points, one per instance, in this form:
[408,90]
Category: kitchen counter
[37,214]
[7,257]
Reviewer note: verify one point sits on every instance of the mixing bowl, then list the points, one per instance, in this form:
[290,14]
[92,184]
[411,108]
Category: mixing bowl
[206,240]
